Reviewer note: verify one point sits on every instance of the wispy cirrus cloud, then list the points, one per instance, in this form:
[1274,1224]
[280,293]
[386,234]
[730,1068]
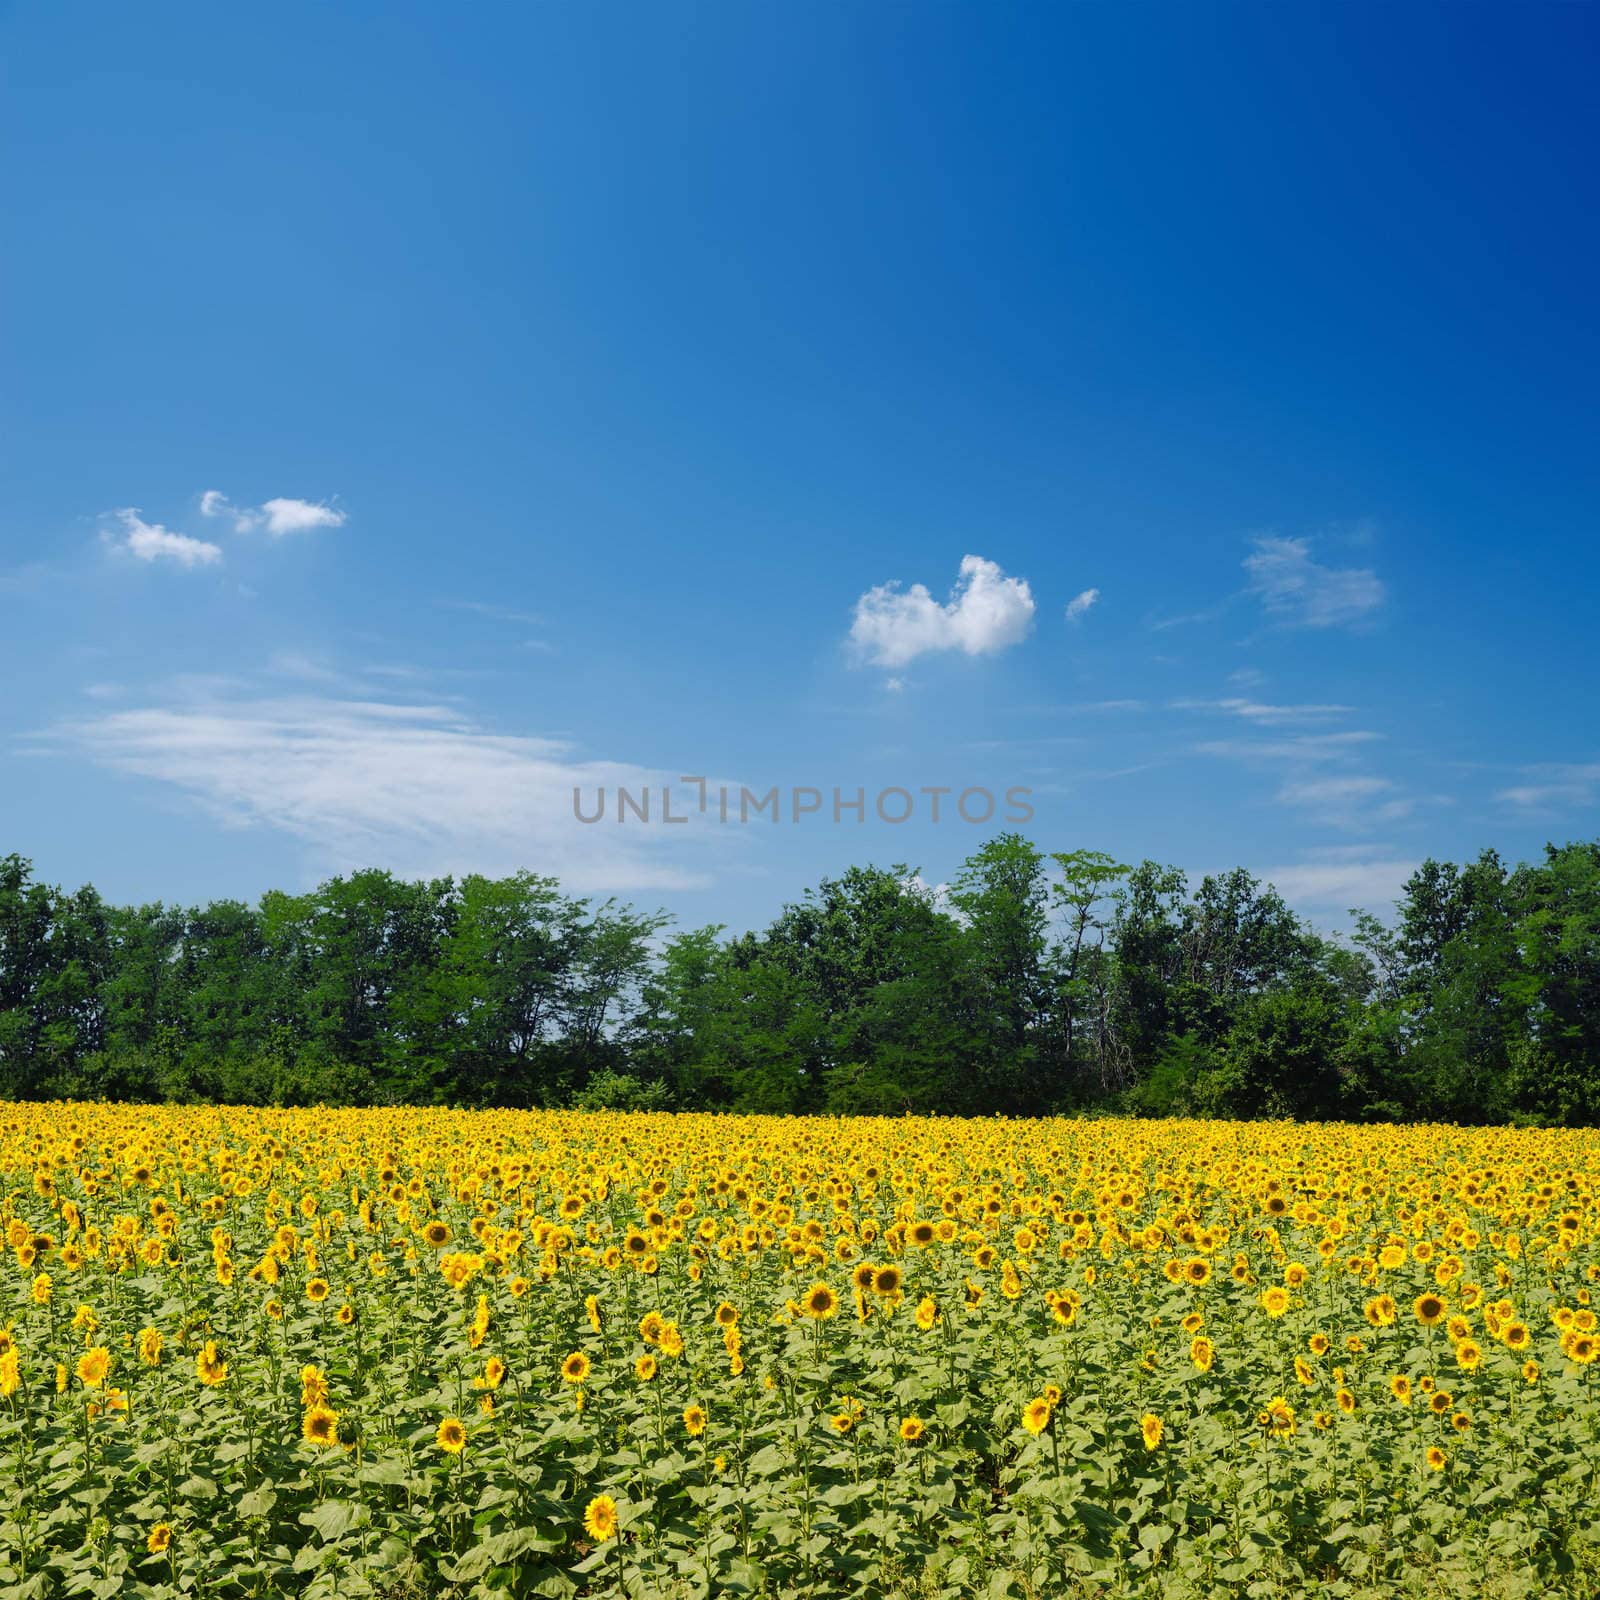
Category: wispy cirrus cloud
[1079,606]
[986,612]
[1303,747]
[1554,787]
[1301,592]
[1358,877]
[1320,774]
[418,787]
[1262,714]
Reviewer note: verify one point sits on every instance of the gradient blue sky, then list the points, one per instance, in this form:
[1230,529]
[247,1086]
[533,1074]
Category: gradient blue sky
[572,373]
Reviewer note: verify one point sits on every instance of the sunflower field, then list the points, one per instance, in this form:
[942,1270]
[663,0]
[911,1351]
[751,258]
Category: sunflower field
[411,1353]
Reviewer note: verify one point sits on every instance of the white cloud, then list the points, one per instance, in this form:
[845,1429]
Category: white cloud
[1079,604]
[417,787]
[1556,788]
[1302,592]
[987,611]
[278,516]
[1350,880]
[1185,619]
[1322,791]
[1346,802]
[1264,715]
[296,516]
[1310,747]
[531,619]
[149,541]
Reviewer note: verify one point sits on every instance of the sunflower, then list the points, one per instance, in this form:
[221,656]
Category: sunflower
[1197,1271]
[452,1436]
[317,1290]
[93,1365]
[320,1426]
[842,1422]
[820,1302]
[1429,1309]
[694,1420]
[726,1315]
[159,1540]
[1400,1388]
[1275,1301]
[1280,1417]
[1515,1336]
[1151,1430]
[575,1368]
[886,1281]
[927,1313]
[912,1429]
[209,1366]
[644,1369]
[1436,1459]
[1035,1416]
[1202,1352]
[1468,1356]
[1346,1402]
[600,1518]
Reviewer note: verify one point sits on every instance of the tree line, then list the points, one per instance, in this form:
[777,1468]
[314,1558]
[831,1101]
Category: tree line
[1033,982]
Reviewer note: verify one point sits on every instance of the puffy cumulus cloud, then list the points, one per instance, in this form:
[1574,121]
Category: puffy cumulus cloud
[149,541]
[986,612]
[1301,592]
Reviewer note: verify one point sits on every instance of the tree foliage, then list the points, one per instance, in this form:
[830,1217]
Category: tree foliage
[1032,982]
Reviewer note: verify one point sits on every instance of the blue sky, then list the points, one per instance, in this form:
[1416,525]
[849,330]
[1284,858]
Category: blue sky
[412,413]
